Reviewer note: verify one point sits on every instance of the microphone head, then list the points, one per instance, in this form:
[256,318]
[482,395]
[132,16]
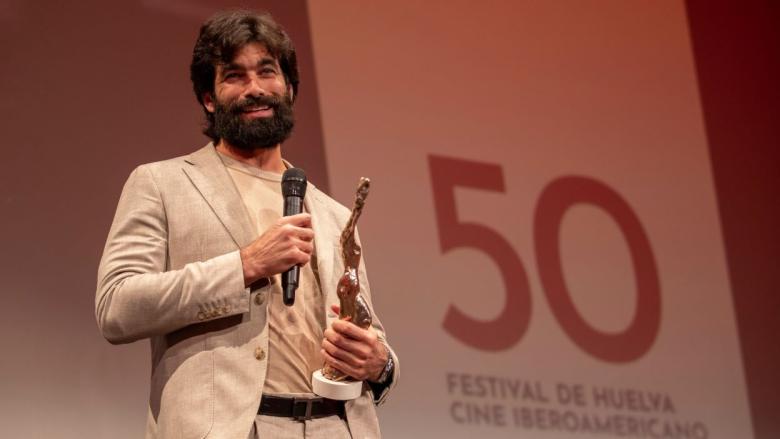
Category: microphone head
[294,183]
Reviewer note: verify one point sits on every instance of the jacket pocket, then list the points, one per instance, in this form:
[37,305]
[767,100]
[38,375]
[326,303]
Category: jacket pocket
[182,397]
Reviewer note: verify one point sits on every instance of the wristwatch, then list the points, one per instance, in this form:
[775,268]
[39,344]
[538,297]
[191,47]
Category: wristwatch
[387,372]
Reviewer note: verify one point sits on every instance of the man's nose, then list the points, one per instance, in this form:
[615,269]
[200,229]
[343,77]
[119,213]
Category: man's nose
[255,86]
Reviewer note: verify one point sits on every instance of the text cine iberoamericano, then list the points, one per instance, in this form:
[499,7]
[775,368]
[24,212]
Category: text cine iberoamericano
[575,408]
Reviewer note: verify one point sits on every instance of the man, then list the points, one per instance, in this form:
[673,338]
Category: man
[193,258]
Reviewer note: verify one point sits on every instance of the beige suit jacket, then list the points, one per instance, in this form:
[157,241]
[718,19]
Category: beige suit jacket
[171,272]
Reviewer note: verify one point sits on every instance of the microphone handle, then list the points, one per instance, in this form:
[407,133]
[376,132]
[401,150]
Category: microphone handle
[292,206]
[290,284]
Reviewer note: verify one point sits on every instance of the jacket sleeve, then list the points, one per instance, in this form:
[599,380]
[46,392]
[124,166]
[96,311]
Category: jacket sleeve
[136,297]
[380,391]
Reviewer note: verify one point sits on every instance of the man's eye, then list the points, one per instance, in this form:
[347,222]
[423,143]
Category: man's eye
[268,71]
[231,75]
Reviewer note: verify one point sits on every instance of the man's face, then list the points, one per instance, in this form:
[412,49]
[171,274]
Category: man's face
[252,105]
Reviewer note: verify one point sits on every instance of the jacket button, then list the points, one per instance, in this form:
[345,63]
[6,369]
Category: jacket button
[259,298]
[260,354]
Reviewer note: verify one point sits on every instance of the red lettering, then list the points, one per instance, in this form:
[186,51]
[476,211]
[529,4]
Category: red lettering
[640,334]
[508,327]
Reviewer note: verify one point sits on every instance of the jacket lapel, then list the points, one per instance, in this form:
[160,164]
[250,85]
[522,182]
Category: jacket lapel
[211,179]
[326,246]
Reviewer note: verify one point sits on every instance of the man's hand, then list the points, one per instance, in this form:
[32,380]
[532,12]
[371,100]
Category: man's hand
[288,242]
[353,350]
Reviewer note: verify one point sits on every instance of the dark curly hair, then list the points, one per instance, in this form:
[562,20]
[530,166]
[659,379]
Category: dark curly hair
[222,35]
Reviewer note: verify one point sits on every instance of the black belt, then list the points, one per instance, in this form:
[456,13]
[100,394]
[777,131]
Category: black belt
[300,408]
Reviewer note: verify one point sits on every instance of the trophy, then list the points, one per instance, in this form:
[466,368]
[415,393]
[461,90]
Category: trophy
[329,382]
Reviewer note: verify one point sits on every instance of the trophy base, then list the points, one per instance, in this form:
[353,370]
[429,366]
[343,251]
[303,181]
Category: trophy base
[338,390]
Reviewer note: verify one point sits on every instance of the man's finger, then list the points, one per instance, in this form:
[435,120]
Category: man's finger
[343,355]
[299,220]
[352,331]
[302,260]
[301,233]
[342,366]
[355,347]
[305,246]
[305,234]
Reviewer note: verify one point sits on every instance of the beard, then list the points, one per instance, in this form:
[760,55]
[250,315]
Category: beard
[256,133]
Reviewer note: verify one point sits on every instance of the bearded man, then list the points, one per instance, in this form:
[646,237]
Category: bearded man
[194,255]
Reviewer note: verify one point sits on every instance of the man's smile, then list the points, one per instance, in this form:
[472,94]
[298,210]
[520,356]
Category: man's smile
[258,111]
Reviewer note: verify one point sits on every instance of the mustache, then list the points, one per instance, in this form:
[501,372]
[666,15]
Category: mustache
[255,101]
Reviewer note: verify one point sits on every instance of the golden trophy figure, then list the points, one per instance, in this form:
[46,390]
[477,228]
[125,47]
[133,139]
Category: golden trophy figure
[329,382]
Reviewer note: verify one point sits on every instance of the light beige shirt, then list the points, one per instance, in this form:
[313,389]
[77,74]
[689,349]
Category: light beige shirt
[295,332]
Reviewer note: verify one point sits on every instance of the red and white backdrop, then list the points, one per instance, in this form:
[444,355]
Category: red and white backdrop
[543,237]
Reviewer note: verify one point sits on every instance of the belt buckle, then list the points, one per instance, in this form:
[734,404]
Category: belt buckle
[308,402]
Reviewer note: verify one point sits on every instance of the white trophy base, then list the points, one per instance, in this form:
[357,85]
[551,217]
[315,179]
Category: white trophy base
[338,390]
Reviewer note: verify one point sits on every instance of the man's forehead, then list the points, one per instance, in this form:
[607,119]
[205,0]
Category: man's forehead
[250,55]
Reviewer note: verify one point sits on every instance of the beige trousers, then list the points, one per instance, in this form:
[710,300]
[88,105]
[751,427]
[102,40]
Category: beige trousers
[275,427]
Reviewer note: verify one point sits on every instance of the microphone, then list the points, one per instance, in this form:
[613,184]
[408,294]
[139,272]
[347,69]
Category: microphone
[293,190]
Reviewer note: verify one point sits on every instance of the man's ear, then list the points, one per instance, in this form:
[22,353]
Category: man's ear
[290,92]
[208,102]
